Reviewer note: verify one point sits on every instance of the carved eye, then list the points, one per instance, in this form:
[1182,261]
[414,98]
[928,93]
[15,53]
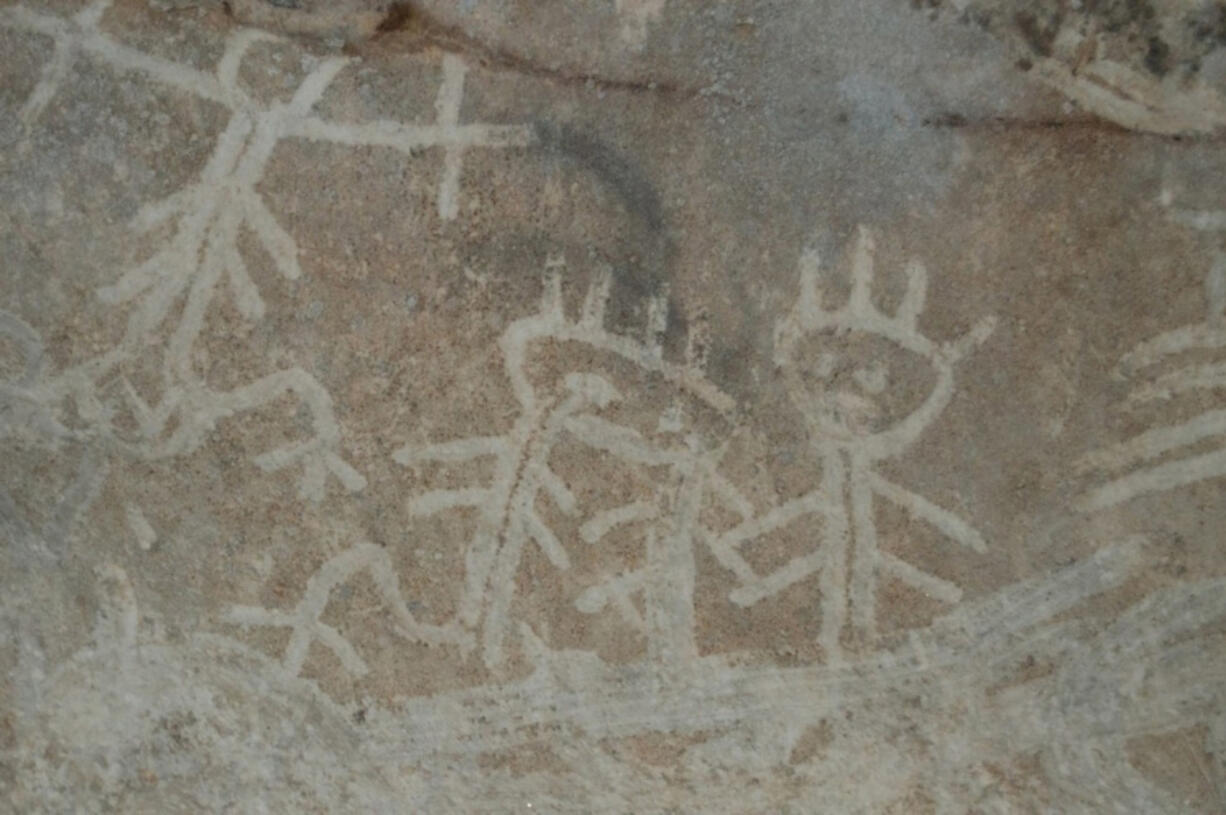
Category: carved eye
[859,384]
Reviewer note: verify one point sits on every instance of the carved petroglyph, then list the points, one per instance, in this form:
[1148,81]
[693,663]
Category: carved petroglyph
[446,132]
[305,621]
[509,518]
[507,509]
[667,521]
[666,580]
[144,533]
[1147,455]
[593,581]
[81,35]
[1142,65]
[450,95]
[207,218]
[848,439]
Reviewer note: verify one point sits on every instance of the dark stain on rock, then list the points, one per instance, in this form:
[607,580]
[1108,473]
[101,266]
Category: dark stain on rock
[413,28]
[676,332]
[622,177]
[1208,26]
[1117,15]
[946,119]
[646,270]
[1038,35]
[1158,57]
[1147,36]
[398,17]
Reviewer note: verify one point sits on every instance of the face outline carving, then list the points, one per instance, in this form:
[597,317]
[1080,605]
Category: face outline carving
[840,399]
[850,399]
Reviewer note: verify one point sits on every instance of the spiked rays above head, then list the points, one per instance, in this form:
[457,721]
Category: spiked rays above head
[644,348]
[860,314]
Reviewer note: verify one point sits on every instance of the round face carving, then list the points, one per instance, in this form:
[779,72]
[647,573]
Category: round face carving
[853,385]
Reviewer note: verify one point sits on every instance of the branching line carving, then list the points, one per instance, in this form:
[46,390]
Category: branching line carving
[305,621]
[207,218]
[1148,453]
[507,513]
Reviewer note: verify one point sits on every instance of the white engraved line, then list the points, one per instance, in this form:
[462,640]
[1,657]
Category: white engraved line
[143,531]
[509,517]
[1200,336]
[211,213]
[671,570]
[776,518]
[862,589]
[300,640]
[305,618]
[1196,377]
[53,75]
[449,451]
[561,331]
[860,314]
[945,521]
[1159,478]
[435,501]
[617,439]
[83,34]
[937,587]
[450,95]
[617,590]
[240,156]
[408,138]
[831,580]
[731,496]
[762,587]
[521,521]
[728,557]
[604,522]
[1153,443]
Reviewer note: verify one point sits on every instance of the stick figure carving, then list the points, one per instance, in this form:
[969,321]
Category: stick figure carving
[850,431]
[175,287]
[509,521]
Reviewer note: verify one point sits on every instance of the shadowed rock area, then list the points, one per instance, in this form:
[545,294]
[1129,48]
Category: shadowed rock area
[612,406]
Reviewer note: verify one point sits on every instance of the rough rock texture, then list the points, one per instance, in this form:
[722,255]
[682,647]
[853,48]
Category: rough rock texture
[627,406]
